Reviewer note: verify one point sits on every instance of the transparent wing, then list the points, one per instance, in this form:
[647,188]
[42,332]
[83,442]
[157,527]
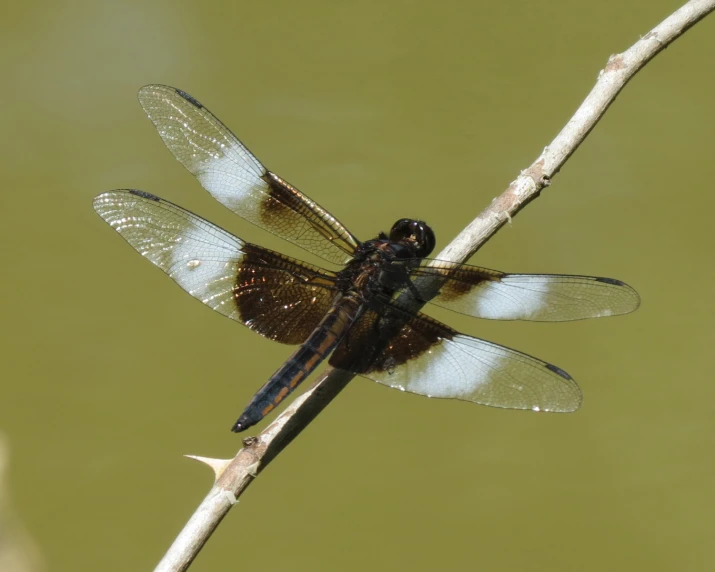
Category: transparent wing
[274,295]
[423,356]
[234,177]
[496,295]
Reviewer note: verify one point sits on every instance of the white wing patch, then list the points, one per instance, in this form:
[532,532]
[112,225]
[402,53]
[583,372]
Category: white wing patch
[495,304]
[426,375]
[230,186]
[211,281]
[467,368]
[201,257]
[537,297]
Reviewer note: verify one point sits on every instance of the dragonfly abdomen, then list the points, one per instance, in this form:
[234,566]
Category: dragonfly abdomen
[319,345]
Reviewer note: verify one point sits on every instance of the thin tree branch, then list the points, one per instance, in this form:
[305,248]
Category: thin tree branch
[233,476]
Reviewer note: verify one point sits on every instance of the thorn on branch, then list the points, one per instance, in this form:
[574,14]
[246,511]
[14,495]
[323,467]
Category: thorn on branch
[217,465]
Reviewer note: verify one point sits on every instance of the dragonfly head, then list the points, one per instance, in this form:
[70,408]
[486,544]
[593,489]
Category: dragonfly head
[415,233]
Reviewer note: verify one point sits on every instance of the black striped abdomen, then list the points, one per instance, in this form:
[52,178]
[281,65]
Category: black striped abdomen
[303,362]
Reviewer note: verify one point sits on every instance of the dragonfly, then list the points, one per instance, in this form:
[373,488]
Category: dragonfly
[355,316]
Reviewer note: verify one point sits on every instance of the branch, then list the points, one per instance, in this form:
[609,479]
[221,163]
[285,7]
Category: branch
[234,475]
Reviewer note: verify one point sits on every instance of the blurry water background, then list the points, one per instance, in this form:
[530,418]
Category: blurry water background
[377,111]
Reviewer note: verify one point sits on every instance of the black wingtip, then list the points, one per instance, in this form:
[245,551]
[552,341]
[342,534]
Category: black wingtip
[192,100]
[144,195]
[558,371]
[611,281]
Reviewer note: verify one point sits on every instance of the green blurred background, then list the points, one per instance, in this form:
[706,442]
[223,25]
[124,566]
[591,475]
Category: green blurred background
[377,111]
